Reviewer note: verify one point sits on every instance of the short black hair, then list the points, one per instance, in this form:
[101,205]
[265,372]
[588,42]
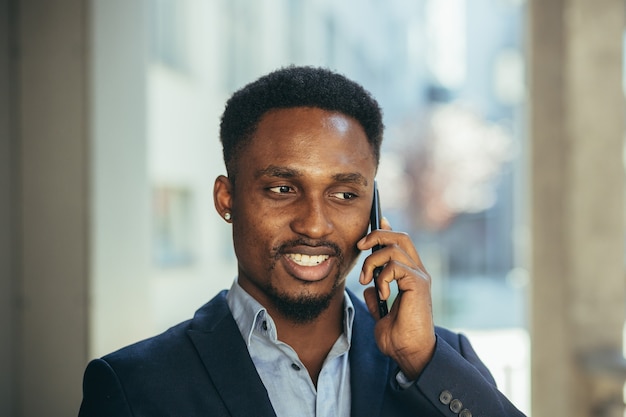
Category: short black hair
[295,86]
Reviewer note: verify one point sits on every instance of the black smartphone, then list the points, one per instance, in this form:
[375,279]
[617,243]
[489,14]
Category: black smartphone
[375,216]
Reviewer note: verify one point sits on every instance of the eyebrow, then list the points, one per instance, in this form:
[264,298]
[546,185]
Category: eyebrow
[286,172]
[351,178]
[278,172]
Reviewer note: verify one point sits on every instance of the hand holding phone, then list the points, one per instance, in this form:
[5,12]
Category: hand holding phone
[375,217]
[406,335]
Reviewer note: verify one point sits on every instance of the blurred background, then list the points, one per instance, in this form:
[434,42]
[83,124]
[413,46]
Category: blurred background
[503,159]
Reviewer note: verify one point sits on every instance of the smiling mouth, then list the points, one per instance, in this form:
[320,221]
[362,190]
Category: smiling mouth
[307,260]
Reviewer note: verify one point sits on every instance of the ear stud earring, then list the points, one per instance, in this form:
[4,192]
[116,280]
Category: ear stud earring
[227,216]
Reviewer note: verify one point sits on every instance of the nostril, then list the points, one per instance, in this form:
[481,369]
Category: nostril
[313,223]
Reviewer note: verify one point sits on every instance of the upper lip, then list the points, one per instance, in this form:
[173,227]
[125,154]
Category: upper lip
[311,250]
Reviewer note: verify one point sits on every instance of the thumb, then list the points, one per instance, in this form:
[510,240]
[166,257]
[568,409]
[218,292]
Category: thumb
[371,300]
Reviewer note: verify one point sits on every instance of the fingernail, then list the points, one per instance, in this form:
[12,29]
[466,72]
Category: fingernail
[380,295]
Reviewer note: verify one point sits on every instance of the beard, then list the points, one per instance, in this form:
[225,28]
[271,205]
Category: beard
[305,307]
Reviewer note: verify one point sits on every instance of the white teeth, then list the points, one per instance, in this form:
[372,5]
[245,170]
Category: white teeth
[307,260]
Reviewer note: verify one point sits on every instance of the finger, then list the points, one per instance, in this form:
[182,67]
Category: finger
[371,300]
[406,278]
[383,257]
[384,224]
[390,238]
[383,279]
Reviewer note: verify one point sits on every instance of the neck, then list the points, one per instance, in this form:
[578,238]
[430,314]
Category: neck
[312,341]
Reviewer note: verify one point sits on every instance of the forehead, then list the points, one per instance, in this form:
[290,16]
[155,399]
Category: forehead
[296,119]
[309,137]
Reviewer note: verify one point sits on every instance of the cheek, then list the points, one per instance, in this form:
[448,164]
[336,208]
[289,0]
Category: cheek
[353,229]
[246,229]
[254,231]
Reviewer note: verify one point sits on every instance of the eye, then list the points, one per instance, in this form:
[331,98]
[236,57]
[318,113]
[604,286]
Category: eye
[344,195]
[281,189]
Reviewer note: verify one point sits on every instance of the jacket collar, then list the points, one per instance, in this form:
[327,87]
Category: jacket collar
[225,357]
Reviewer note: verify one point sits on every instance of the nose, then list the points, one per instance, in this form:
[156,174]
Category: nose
[311,218]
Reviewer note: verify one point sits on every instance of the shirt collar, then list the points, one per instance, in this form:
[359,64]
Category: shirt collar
[250,314]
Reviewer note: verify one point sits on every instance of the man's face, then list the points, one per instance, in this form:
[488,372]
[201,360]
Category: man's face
[300,203]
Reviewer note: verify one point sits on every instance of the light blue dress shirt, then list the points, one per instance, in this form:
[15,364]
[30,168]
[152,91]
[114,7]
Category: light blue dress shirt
[287,381]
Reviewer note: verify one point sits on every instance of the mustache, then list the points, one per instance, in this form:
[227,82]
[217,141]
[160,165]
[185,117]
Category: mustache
[282,248]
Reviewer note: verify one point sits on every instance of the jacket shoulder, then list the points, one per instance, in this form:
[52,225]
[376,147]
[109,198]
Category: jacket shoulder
[204,319]
[172,350]
[164,372]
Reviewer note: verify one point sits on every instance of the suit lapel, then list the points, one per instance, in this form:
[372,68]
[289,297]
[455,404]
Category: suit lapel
[225,356]
[369,368]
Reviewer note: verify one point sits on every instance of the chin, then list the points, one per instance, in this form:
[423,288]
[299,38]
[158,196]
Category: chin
[303,308]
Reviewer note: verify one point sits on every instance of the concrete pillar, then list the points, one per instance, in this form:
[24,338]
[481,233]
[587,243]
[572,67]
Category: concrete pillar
[7,212]
[577,209]
[51,116]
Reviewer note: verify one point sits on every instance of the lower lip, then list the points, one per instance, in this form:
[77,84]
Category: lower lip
[308,273]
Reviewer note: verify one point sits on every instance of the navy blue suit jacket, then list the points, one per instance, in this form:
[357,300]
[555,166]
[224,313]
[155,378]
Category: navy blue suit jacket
[201,367]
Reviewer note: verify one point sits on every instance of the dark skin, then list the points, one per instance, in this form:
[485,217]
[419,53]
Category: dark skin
[300,211]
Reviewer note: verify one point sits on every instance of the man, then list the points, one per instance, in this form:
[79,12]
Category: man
[301,148]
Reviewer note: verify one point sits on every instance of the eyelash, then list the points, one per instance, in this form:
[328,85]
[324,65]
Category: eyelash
[285,189]
[347,195]
[280,189]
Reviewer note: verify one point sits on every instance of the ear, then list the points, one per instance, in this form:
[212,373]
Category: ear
[223,197]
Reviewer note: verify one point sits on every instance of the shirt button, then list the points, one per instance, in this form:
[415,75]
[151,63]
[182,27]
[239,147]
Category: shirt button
[465,413]
[456,406]
[294,366]
[445,397]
